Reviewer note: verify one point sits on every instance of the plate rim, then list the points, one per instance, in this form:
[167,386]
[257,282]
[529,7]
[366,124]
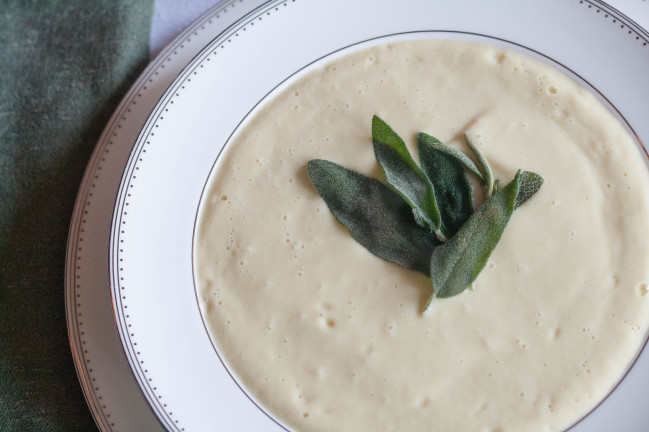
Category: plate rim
[100,412]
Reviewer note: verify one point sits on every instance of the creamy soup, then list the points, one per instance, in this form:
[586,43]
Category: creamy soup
[328,337]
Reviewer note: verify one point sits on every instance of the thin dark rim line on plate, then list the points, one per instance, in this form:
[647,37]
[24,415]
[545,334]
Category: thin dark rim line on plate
[624,19]
[73,279]
[173,90]
[640,34]
[264,98]
[128,345]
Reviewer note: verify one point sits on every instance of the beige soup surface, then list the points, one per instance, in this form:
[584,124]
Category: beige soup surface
[326,336]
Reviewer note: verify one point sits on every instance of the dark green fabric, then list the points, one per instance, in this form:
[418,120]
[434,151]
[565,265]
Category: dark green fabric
[64,66]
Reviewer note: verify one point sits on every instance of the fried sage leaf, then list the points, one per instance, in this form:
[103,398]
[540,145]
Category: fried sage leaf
[376,217]
[457,263]
[452,187]
[406,177]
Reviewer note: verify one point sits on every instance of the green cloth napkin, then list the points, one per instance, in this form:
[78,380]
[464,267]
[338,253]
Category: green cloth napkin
[64,66]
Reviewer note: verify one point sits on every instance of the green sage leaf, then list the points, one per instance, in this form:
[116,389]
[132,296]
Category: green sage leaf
[458,155]
[453,190]
[376,217]
[530,183]
[457,263]
[402,173]
[484,166]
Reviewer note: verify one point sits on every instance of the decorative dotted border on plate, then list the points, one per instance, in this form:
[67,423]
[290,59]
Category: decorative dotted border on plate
[147,138]
[74,270]
[625,24]
[137,158]
[616,18]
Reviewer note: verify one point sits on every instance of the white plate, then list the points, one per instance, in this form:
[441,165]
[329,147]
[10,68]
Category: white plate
[152,288]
